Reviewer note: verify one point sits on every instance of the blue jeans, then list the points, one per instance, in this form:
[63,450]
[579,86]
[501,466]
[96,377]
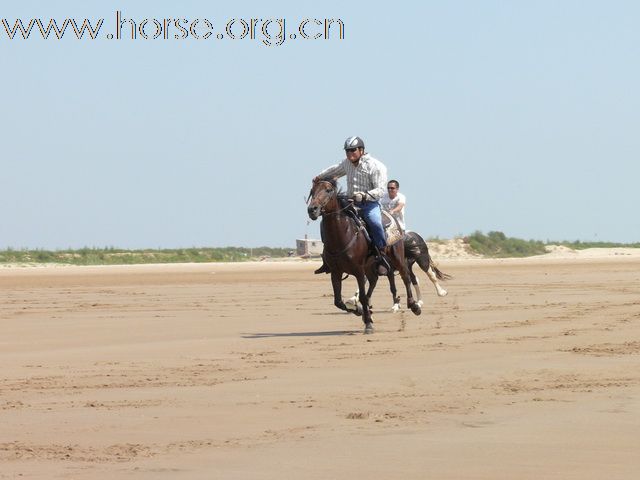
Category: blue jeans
[373,216]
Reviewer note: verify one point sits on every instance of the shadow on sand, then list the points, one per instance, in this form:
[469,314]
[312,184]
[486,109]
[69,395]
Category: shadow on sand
[332,333]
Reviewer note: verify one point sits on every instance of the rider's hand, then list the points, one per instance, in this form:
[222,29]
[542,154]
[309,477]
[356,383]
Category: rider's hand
[359,197]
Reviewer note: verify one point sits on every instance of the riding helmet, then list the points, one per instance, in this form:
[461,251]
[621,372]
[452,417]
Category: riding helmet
[353,142]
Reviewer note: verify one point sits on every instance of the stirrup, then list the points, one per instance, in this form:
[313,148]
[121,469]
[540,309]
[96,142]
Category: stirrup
[324,268]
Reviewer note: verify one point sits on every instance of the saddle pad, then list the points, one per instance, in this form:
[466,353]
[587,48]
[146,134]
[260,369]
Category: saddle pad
[392,230]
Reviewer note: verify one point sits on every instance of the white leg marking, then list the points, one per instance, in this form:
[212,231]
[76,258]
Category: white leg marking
[418,292]
[432,276]
[352,303]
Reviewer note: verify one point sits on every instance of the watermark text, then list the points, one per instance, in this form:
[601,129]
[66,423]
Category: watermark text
[268,31]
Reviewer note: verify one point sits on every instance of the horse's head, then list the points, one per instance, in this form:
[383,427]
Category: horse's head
[322,193]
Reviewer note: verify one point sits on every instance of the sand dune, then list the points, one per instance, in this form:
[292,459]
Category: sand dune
[528,369]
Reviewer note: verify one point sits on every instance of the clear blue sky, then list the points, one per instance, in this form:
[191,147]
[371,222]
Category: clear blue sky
[515,116]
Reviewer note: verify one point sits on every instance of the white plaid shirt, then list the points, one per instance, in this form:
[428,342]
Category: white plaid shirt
[369,176]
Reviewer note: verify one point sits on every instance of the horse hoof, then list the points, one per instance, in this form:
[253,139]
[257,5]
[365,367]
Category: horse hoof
[368,329]
[415,308]
[442,293]
[395,308]
[420,303]
[358,311]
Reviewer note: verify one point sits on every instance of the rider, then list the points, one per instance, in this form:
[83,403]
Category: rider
[366,181]
[393,202]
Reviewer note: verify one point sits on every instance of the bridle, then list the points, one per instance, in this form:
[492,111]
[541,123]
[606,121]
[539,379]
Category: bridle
[340,211]
[324,204]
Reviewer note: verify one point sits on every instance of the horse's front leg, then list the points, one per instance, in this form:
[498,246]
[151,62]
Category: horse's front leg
[415,282]
[364,301]
[336,282]
[411,303]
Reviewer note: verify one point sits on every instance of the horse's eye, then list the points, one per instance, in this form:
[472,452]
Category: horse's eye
[329,190]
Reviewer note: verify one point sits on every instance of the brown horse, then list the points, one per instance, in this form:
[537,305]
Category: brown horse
[346,249]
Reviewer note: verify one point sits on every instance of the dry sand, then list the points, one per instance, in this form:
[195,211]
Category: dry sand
[528,369]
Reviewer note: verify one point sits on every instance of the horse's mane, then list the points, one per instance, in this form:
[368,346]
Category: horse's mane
[332,180]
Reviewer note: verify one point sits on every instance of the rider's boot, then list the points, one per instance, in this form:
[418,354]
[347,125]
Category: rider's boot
[381,261]
[324,268]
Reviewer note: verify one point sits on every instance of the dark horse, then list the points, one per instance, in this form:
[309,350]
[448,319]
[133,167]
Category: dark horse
[416,251]
[347,249]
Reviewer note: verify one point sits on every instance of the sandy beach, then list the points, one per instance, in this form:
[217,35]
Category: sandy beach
[528,369]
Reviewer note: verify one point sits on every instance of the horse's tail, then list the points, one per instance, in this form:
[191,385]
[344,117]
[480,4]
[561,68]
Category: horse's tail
[418,249]
[440,275]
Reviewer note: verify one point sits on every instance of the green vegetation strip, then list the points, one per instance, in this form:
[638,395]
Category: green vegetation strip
[114,256]
[492,244]
[578,245]
[498,245]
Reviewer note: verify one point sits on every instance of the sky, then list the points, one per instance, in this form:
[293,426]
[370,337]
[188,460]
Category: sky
[521,117]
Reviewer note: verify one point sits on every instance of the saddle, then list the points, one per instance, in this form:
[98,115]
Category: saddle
[392,230]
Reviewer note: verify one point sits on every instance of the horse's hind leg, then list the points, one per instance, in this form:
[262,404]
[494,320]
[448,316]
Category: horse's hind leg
[425,264]
[373,281]
[432,276]
[395,308]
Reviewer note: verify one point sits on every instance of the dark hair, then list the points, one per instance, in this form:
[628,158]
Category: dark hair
[394,181]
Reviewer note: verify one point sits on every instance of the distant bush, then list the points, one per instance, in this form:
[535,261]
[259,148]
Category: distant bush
[114,256]
[578,245]
[497,244]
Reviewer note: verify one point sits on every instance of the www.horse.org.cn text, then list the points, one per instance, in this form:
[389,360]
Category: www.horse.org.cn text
[266,31]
